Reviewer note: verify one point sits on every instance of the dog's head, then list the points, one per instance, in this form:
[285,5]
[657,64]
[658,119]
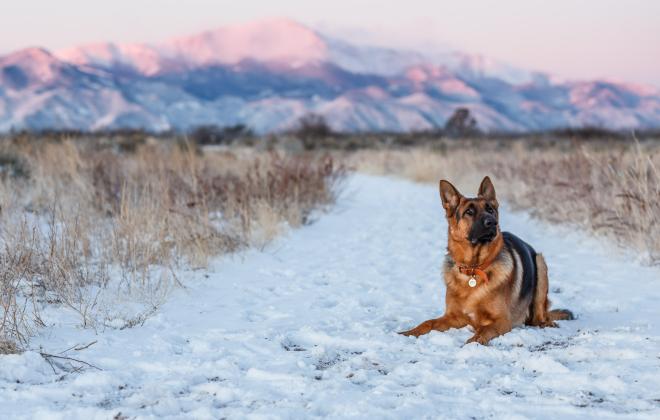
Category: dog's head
[473,220]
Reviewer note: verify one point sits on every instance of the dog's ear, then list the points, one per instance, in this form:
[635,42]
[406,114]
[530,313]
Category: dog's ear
[487,190]
[450,197]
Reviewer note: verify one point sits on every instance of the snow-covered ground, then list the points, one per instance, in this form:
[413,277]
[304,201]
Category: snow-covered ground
[307,328]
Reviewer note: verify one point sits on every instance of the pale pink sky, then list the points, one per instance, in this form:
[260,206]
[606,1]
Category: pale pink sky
[580,39]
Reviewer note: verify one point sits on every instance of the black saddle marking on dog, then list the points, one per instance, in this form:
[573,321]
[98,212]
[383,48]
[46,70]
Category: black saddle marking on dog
[527,256]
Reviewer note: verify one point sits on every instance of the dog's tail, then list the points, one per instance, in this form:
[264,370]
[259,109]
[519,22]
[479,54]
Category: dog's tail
[561,315]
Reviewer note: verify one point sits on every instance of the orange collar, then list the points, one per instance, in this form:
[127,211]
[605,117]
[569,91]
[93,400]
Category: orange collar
[480,269]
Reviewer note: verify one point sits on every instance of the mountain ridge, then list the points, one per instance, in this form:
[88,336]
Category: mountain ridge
[267,74]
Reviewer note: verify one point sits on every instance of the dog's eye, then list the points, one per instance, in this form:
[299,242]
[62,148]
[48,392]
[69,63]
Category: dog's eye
[469,212]
[490,210]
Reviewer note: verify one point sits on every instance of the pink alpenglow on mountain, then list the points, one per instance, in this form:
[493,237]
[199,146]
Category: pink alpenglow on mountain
[143,59]
[267,74]
[271,40]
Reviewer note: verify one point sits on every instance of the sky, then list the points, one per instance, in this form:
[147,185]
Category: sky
[574,39]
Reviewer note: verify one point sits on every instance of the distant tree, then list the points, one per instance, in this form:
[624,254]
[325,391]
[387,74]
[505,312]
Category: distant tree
[461,124]
[312,126]
[212,134]
[311,130]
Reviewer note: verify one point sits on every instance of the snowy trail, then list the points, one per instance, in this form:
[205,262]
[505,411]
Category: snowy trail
[307,328]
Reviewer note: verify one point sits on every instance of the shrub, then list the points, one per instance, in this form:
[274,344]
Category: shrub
[211,134]
[461,124]
[85,212]
[310,128]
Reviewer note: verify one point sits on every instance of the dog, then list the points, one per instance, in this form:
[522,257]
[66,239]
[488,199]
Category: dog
[495,280]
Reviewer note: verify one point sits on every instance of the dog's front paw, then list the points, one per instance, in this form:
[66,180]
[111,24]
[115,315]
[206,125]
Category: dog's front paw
[478,338]
[423,328]
[409,333]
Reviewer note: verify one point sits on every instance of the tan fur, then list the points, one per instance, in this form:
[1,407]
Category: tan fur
[541,302]
[494,307]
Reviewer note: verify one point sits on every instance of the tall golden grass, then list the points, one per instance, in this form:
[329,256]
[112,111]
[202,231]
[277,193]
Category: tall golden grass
[74,216]
[611,190]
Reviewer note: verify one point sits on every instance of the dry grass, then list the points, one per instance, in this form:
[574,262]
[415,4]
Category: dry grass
[614,194]
[79,221]
[90,226]
[610,190]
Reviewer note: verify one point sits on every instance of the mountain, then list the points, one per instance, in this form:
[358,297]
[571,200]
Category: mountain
[268,74]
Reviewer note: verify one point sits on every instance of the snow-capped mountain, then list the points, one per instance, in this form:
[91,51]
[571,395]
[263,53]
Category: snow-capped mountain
[268,74]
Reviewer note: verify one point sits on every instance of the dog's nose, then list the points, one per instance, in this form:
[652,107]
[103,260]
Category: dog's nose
[490,222]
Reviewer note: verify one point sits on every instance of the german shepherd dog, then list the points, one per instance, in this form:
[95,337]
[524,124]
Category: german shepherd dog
[495,281]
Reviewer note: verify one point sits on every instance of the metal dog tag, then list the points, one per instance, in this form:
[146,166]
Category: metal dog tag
[472,282]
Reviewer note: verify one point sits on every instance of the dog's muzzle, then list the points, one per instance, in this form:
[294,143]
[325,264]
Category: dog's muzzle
[483,230]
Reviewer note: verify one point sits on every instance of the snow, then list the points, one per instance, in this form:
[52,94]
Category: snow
[275,39]
[72,89]
[307,328]
[142,58]
[36,63]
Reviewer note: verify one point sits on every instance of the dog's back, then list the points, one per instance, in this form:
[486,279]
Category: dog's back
[533,283]
[524,277]
[527,257]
